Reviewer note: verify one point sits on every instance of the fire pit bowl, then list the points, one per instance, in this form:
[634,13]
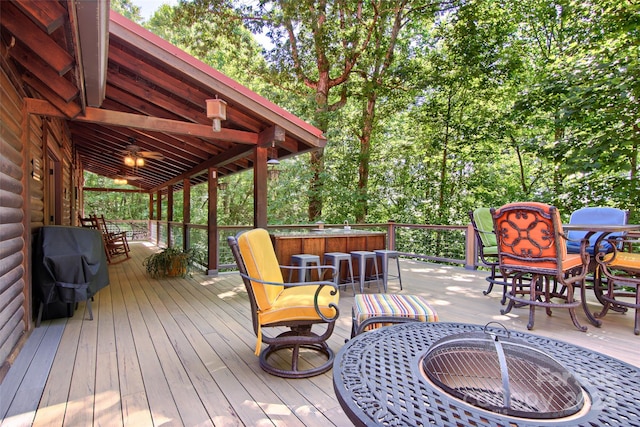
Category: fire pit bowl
[379,378]
[503,375]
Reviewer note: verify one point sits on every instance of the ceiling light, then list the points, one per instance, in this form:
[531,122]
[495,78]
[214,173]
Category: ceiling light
[273,172]
[129,160]
[139,161]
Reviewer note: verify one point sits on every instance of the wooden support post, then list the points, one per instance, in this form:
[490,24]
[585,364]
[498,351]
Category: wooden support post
[471,256]
[169,215]
[158,215]
[212,268]
[186,213]
[260,188]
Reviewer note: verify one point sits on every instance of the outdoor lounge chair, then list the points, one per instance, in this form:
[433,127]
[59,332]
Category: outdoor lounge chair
[482,223]
[274,304]
[531,242]
[594,215]
[622,270]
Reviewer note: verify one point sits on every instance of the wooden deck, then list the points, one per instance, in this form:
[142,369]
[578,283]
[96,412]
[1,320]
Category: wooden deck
[180,352]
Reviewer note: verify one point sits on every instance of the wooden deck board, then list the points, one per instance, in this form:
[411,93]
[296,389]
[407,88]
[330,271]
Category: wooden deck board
[180,351]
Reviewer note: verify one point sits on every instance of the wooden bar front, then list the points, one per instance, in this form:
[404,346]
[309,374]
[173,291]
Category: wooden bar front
[319,243]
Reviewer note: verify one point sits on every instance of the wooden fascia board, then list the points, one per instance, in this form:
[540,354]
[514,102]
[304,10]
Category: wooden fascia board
[137,121]
[226,87]
[92,38]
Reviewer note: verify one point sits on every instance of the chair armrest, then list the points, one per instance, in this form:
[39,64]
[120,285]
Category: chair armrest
[319,285]
[322,268]
[584,243]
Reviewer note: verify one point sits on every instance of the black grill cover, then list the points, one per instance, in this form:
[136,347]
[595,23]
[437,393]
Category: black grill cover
[69,265]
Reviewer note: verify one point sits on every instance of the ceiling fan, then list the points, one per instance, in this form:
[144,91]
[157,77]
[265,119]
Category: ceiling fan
[124,179]
[134,156]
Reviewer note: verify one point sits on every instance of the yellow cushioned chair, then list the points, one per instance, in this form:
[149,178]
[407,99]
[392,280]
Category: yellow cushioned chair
[297,306]
[531,242]
[622,270]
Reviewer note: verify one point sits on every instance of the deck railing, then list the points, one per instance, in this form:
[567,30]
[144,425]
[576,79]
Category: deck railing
[449,244]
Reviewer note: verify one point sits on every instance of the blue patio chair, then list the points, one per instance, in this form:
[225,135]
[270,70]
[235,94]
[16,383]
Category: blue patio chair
[594,215]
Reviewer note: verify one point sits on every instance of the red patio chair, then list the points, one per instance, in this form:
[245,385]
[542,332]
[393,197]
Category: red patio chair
[531,242]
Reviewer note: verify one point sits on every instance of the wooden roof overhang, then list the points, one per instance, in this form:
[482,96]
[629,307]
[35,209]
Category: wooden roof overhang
[113,81]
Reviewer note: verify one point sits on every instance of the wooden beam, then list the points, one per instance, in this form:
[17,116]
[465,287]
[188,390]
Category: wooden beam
[66,110]
[113,190]
[137,121]
[39,41]
[61,86]
[274,134]
[48,15]
[148,94]
[183,63]
[190,94]
[237,152]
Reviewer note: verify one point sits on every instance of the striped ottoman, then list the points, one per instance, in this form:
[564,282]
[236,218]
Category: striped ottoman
[372,311]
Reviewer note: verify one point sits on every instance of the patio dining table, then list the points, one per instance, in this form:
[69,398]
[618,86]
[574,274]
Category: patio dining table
[379,379]
[604,230]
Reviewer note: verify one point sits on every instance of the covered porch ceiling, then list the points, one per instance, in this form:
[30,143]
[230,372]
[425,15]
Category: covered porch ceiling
[117,84]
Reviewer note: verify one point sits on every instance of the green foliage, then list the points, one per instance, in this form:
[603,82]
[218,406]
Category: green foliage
[171,261]
[114,205]
[127,9]
[484,103]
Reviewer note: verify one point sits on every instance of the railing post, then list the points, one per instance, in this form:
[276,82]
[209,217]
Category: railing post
[471,256]
[391,235]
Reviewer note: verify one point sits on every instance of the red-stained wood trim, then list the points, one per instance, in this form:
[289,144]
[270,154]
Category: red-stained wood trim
[212,232]
[39,41]
[48,15]
[136,121]
[40,69]
[260,187]
[69,110]
[228,89]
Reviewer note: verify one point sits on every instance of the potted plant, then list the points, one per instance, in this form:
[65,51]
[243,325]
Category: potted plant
[170,261]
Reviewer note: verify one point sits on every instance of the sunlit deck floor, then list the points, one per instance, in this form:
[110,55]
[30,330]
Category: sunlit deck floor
[180,352]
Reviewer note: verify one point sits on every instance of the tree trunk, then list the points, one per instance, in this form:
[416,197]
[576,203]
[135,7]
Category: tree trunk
[443,165]
[317,157]
[364,158]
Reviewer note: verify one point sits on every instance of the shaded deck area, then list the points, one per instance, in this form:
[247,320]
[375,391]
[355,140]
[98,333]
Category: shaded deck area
[180,352]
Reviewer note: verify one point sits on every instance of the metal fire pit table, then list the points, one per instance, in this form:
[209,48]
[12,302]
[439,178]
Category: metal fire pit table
[378,380]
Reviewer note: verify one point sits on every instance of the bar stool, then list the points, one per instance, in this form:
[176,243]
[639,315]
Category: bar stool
[361,257]
[384,256]
[336,259]
[305,261]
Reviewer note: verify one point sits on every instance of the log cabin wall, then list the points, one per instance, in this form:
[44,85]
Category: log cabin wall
[13,247]
[38,179]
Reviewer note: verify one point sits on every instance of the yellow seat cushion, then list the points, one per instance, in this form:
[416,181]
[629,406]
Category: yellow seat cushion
[624,261]
[296,303]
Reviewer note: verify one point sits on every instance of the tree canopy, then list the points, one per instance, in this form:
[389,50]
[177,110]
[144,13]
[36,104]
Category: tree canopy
[433,109]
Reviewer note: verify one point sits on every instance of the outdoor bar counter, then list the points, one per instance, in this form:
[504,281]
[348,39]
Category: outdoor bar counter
[327,240]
